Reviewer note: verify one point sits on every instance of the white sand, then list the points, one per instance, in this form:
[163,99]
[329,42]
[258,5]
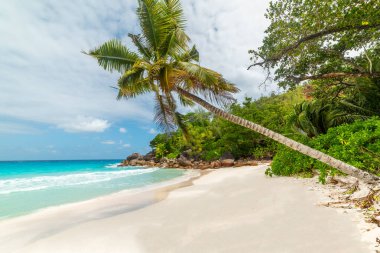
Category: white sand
[228,210]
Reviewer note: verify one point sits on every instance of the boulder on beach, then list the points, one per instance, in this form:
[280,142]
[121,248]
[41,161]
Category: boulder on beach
[215,164]
[185,161]
[227,162]
[182,161]
[133,162]
[134,156]
[140,163]
[227,155]
[149,156]
[186,154]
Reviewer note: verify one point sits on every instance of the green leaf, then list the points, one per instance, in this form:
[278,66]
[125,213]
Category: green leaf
[112,55]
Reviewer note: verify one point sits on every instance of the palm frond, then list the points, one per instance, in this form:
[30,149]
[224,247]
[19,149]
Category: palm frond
[164,78]
[168,44]
[193,54]
[225,86]
[306,124]
[155,69]
[185,101]
[165,113]
[316,117]
[337,118]
[176,39]
[207,79]
[205,76]
[113,55]
[188,55]
[181,125]
[133,83]
[206,82]
[174,10]
[140,44]
[350,106]
[153,22]
[221,97]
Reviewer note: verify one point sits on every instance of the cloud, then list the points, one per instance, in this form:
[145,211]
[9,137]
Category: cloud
[122,130]
[109,142]
[85,124]
[44,77]
[127,145]
[223,32]
[42,40]
[152,131]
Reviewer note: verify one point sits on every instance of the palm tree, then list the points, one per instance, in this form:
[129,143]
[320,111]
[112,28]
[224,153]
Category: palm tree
[168,67]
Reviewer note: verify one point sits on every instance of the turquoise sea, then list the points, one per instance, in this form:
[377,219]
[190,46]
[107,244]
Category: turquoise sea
[26,186]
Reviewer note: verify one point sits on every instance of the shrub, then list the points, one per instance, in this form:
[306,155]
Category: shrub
[173,155]
[357,144]
[211,155]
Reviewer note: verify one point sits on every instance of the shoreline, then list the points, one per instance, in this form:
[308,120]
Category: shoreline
[171,184]
[100,207]
[236,206]
[187,175]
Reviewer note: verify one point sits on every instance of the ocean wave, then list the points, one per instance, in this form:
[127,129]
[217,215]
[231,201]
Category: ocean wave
[112,166]
[42,182]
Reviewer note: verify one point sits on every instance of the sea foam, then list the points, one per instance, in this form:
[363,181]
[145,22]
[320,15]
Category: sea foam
[8,186]
[113,166]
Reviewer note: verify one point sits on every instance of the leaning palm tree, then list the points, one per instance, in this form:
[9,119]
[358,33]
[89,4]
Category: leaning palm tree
[166,66]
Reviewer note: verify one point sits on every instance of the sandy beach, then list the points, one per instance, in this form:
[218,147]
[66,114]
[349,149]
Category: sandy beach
[226,210]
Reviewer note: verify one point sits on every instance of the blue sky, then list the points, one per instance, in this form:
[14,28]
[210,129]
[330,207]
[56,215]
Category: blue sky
[56,103]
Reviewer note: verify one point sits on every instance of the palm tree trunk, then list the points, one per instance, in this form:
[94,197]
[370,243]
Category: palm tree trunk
[329,160]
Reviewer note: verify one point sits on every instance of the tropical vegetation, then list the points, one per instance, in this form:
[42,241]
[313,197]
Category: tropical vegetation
[357,143]
[168,67]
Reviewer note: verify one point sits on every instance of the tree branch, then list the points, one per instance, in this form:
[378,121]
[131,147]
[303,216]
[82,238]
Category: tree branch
[332,75]
[312,37]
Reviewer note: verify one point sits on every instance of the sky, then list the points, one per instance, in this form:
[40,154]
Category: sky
[56,103]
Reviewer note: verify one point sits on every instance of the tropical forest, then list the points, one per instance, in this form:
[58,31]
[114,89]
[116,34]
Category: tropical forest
[329,72]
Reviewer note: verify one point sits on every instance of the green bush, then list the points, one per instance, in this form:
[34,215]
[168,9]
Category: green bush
[357,144]
[211,155]
[173,155]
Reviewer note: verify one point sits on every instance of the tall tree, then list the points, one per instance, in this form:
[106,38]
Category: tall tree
[336,42]
[166,65]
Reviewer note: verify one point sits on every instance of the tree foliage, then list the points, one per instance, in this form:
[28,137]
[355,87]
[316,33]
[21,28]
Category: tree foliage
[210,137]
[337,41]
[357,144]
[353,140]
[315,117]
